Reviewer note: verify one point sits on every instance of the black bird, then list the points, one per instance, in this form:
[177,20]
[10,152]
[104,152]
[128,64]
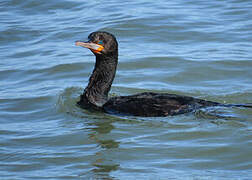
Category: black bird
[105,47]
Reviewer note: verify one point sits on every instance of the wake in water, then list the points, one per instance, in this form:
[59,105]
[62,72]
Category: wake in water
[67,101]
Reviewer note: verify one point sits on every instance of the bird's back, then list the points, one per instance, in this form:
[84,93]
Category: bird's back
[150,104]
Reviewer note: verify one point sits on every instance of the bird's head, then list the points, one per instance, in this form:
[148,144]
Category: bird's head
[100,43]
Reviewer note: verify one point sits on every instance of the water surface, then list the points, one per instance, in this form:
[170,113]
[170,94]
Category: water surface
[202,49]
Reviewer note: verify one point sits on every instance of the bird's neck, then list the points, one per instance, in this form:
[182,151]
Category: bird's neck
[101,80]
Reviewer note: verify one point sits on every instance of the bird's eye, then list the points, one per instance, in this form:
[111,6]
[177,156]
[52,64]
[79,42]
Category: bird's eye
[100,42]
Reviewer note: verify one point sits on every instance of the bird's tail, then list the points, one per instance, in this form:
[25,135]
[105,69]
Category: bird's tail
[248,105]
[212,103]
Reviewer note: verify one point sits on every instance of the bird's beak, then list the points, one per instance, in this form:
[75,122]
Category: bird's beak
[96,48]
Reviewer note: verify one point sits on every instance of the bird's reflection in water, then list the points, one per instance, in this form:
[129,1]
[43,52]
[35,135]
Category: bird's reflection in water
[104,161]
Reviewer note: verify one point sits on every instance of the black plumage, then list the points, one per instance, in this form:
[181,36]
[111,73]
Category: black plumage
[105,47]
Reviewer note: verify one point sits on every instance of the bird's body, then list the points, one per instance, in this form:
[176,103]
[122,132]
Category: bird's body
[154,104]
[105,47]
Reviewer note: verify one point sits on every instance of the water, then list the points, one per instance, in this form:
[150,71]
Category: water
[196,48]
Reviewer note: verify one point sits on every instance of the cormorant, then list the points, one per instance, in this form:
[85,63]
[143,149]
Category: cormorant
[105,48]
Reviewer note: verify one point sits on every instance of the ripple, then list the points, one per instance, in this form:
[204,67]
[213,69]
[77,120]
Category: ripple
[201,49]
